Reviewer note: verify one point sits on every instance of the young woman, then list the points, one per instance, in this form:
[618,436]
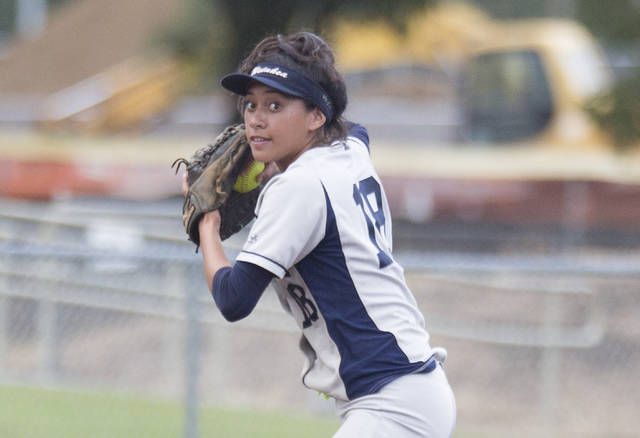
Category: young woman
[322,234]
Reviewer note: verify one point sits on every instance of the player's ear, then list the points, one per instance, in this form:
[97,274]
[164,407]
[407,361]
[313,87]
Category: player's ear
[317,119]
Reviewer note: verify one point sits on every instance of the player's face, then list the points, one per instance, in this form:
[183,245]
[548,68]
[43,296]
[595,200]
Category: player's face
[279,127]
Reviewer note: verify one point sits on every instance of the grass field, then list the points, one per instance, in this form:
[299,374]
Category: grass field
[35,413]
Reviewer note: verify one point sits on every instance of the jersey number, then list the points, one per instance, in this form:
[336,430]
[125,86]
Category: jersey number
[307,307]
[361,192]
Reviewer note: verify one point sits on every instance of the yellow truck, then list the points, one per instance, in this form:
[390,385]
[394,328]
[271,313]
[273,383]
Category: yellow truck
[529,81]
[529,153]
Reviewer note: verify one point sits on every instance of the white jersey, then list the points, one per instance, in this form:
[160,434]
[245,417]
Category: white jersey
[323,227]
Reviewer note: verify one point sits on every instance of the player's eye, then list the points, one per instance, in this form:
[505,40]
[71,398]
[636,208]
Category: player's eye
[249,106]
[274,106]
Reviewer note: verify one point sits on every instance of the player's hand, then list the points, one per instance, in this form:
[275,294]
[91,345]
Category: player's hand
[210,222]
[270,169]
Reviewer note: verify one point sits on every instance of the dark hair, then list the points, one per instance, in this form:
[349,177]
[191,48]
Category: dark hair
[307,54]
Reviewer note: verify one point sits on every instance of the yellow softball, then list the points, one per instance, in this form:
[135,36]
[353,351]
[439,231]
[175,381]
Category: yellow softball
[247,180]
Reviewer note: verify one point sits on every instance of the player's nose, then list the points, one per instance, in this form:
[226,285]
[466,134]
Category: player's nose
[255,119]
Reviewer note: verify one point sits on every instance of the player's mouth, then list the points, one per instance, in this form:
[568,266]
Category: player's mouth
[258,141]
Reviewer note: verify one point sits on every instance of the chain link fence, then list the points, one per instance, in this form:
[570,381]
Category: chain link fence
[101,296]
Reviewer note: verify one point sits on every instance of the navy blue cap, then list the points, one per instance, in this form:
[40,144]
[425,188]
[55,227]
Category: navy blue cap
[284,80]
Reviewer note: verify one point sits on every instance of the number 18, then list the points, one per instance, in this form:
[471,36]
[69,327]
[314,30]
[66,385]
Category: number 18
[361,193]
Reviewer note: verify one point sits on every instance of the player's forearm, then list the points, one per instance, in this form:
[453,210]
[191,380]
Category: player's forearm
[213,255]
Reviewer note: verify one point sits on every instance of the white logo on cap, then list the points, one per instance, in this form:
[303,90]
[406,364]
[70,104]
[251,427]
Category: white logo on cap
[272,71]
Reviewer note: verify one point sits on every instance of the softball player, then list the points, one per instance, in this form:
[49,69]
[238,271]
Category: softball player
[322,236]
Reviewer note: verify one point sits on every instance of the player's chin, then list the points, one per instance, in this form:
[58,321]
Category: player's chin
[261,155]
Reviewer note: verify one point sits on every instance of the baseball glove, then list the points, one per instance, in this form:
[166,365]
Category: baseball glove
[211,173]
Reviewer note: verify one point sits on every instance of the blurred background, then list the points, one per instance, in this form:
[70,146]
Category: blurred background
[506,134]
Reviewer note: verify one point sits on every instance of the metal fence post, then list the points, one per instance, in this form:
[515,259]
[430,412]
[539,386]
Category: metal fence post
[550,364]
[4,320]
[3,325]
[192,356]
[47,339]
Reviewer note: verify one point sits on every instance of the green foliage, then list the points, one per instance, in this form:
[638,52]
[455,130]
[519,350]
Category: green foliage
[616,24]
[507,9]
[613,22]
[618,112]
[7,14]
[218,34]
[199,38]
[252,20]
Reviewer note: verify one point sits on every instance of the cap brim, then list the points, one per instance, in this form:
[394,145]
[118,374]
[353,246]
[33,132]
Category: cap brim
[238,83]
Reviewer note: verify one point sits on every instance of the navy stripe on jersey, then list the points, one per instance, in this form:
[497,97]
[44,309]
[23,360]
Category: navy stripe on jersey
[359,132]
[266,258]
[370,358]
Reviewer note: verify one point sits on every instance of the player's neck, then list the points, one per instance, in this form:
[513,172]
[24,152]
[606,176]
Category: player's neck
[284,162]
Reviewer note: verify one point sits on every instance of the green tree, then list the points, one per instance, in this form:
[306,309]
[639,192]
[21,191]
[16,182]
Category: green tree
[217,34]
[615,22]
[618,112]
[7,16]
[617,26]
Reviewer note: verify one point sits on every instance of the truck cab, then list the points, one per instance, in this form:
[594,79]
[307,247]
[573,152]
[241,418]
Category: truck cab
[529,81]
[528,153]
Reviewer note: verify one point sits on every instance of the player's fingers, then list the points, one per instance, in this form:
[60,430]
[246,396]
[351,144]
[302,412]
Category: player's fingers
[185,184]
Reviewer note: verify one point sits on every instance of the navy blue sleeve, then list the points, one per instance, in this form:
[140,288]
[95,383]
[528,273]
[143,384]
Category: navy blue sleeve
[360,132]
[237,290]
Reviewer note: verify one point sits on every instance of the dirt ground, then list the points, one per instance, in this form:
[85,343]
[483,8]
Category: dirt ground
[83,38]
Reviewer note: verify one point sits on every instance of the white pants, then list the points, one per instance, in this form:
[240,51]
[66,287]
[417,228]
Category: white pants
[412,406]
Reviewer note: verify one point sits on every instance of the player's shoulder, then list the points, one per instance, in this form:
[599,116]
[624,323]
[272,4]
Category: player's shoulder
[292,190]
[297,181]
[301,171]
[358,134]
